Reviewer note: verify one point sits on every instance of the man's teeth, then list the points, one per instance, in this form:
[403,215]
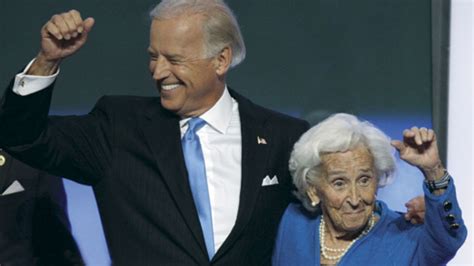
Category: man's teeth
[169,87]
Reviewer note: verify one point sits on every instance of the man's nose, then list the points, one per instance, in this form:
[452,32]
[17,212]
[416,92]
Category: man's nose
[160,68]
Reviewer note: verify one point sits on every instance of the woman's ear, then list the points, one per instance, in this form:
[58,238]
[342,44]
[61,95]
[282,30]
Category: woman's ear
[311,193]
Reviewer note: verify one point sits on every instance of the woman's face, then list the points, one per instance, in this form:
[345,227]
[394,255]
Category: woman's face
[347,189]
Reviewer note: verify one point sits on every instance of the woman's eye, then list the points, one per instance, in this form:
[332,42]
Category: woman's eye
[338,184]
[365,180]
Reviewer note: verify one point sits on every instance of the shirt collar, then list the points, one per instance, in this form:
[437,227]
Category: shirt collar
[219,116]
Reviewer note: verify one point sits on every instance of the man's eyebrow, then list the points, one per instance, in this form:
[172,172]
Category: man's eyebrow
[168,56]
[174,56]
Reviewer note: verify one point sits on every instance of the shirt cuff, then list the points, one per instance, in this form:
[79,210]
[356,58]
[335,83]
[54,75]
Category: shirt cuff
[28,84]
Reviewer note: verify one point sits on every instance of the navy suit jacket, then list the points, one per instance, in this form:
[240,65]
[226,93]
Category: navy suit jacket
[34,227]
[129,149]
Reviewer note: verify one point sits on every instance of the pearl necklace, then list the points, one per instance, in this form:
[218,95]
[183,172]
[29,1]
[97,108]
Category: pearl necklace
[342,251]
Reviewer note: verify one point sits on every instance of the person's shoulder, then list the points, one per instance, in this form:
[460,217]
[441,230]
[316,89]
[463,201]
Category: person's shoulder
[284,118]
[272,116]
[279,116]
[284,125]
[296,211]
[22,172]
[297,219]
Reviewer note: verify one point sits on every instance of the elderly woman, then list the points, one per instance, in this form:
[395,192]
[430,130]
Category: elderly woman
[337,167]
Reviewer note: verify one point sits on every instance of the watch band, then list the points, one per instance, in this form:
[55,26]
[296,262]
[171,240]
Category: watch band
[438,184]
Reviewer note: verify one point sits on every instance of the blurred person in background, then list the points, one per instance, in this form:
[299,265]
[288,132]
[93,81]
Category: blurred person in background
[34,225]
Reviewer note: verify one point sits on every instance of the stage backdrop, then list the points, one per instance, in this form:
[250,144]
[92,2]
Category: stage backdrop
[306,58]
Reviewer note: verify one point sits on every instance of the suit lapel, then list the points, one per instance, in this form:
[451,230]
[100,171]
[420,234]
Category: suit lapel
[162,132]
[254,161]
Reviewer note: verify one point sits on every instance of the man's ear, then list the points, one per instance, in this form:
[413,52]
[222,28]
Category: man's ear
[312,195]
[223,61]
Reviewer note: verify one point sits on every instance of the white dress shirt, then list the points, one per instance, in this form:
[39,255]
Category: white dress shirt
[221,142]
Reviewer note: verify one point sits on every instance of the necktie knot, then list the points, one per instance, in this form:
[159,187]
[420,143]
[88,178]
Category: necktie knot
[194,124]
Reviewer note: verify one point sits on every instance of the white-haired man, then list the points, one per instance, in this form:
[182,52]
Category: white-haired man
[165,198]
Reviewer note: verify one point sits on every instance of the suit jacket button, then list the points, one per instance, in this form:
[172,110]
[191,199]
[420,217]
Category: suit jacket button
[450,218]
[2,160]
[447,205]
[454,226]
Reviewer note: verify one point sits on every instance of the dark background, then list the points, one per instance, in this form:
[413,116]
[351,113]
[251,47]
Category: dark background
[360,56]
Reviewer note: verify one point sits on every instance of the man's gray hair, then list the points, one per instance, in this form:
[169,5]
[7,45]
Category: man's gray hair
[338,133]
[220,25]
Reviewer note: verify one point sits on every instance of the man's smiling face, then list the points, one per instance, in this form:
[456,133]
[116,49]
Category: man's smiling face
[189,83]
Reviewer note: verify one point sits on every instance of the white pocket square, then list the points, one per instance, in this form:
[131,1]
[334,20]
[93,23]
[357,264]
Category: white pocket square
[15,187]
[267,181]
[261,140]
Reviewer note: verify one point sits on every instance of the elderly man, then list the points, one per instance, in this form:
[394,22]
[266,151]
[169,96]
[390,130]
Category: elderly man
[197,176]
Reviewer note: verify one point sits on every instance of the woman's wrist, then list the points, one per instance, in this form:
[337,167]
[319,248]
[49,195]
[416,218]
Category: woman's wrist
[438,186]
[434,173]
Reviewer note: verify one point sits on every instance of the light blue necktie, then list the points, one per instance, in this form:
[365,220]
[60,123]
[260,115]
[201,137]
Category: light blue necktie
[194,160]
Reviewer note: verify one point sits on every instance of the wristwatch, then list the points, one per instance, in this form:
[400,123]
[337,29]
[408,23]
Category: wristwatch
[442,183]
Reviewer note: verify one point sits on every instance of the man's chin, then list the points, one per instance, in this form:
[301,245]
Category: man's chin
[169,104]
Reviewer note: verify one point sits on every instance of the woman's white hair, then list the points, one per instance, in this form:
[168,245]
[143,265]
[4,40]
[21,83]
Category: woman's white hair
[220,25]
[338,133]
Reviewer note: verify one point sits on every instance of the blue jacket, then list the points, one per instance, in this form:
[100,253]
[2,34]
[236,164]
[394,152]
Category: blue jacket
[392,241]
